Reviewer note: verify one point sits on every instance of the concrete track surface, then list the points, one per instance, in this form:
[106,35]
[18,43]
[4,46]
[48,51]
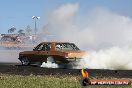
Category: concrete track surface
[34,70]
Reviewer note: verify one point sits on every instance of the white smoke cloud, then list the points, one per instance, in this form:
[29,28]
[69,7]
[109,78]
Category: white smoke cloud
[110,29]
[9,55]
[112,58]
[104,30]
[64,13]
[49,65]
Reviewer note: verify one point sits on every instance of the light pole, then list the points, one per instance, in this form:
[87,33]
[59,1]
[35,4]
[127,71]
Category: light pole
[35,20]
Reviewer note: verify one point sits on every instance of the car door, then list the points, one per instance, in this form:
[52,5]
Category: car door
[45,52]
[36,53]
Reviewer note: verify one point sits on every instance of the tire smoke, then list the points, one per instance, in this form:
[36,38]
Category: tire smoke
[49,65]
[101,32]
[113,58]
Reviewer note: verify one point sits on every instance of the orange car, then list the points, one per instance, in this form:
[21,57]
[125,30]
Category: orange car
[54,52]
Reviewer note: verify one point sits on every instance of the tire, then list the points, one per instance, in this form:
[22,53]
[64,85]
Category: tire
[50,59]
[25,61]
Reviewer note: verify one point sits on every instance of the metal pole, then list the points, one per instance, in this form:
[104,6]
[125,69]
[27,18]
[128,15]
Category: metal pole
[35,22]
[35,30]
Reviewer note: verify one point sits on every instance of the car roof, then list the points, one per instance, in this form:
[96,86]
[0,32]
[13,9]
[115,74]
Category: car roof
[55,42]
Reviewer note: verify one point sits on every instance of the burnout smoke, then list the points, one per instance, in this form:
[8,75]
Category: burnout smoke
[49,65]
[112,58]
[7,55]
[101,30]
[11,55]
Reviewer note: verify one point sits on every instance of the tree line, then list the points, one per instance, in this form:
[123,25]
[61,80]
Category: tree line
[20,31]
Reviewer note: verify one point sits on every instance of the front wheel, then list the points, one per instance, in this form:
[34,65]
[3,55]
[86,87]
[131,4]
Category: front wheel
[25,61]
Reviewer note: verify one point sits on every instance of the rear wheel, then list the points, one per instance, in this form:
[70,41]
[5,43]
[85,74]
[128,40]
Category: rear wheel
[25,61]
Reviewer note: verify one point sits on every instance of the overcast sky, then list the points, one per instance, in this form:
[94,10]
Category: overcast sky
[18,13]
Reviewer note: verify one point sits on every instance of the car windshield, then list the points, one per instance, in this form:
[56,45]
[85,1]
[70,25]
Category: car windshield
[66,46]
[44,47]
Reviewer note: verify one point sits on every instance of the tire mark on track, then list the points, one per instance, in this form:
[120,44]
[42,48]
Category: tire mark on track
[34,70]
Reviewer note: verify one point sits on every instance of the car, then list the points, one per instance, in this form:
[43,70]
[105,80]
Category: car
[54,52]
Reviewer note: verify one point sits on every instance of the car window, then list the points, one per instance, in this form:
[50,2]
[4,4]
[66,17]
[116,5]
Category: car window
[38,47]
[74,46]
[58,46]
[66,46]
[46,47]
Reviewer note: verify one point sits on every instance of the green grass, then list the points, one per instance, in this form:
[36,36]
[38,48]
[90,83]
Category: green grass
[17,81]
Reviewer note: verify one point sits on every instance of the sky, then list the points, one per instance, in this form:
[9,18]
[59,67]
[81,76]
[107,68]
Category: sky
[19,13]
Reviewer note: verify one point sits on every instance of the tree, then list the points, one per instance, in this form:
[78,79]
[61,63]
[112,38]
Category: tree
[28,29]
[20,31]
[11,30]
